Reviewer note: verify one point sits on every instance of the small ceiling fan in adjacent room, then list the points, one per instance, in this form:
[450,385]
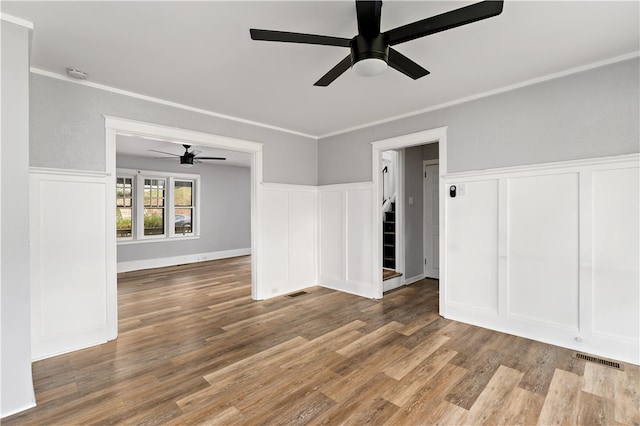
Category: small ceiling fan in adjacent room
[371,50]
[189,157]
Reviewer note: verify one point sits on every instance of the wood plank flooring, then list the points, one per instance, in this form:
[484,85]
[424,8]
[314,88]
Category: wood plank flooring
[194,348]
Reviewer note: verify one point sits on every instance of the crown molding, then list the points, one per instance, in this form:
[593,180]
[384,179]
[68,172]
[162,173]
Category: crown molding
[18,21]
[488,93]
[167,103]
[526,83]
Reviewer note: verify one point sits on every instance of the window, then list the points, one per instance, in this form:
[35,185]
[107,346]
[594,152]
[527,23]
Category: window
[156,206]
[183,206]
[124,206]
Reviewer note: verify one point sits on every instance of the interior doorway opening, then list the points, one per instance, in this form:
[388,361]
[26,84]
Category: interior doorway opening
[118,127]
[409,218]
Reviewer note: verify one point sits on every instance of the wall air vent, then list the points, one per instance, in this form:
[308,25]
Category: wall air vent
[607,363]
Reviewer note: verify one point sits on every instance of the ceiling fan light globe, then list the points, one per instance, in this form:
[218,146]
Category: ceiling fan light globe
[370,67]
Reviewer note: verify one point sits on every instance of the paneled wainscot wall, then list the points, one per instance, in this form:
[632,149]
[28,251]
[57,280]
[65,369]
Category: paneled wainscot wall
[549,252]
[73,304]
[316,235]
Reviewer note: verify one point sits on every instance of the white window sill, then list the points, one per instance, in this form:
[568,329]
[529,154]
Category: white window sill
[124,242]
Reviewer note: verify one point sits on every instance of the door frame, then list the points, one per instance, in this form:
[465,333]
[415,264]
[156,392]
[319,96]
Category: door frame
[426,163]
[439,135]
[115,126]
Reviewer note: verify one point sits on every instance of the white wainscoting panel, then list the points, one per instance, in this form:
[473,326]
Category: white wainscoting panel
[543,227]
[70,260]
[359,238]
[566,241]
[346,238]
[332,231]
[288,240]
[472,247]
[616,254]
[303,239]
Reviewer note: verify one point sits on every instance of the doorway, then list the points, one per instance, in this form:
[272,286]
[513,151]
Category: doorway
[117,126]
[437,135]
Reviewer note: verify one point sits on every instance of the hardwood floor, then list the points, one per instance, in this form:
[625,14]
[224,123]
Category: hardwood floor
[195,349]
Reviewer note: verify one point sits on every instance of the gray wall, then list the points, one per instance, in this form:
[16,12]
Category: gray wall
[17,388]
[67,130]
[413,213]
[589,114]
[225,210]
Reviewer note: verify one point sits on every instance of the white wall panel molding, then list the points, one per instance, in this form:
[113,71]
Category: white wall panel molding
[549,252]
[66,172]
[288,238]
[575,166]
[137,265]
[472,247]
[71,258]
[345,238]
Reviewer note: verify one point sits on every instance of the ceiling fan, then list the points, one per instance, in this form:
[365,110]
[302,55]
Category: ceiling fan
[371,50]
[188,158]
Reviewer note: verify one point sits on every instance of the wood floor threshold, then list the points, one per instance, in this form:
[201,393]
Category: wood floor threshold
[193,348]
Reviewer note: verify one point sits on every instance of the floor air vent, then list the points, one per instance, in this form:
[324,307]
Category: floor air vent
[296,294]
[607,363]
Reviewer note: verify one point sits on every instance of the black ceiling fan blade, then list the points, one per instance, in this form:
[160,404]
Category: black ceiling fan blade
[209,158]
[287,37]
[334,72]
[163,152]
[445,21]
[368,14]
[406,66]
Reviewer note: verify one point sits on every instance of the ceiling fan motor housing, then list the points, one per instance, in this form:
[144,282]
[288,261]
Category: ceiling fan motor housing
[186,159]
[369,48]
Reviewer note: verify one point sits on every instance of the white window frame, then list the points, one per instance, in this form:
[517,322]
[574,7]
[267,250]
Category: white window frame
[171,204]
[138,206]
[134,188]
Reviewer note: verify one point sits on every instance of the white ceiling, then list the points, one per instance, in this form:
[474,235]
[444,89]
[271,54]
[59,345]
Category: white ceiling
[200,54]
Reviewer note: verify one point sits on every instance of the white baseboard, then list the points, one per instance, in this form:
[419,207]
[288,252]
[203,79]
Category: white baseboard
[17,410]
[391,284]
[351,287]
[413,279]
[136,265]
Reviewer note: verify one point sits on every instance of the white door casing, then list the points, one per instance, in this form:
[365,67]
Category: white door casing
[439,135]
[431,229]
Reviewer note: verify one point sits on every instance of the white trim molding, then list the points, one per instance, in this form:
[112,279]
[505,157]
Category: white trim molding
[17,21]
[137,265]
